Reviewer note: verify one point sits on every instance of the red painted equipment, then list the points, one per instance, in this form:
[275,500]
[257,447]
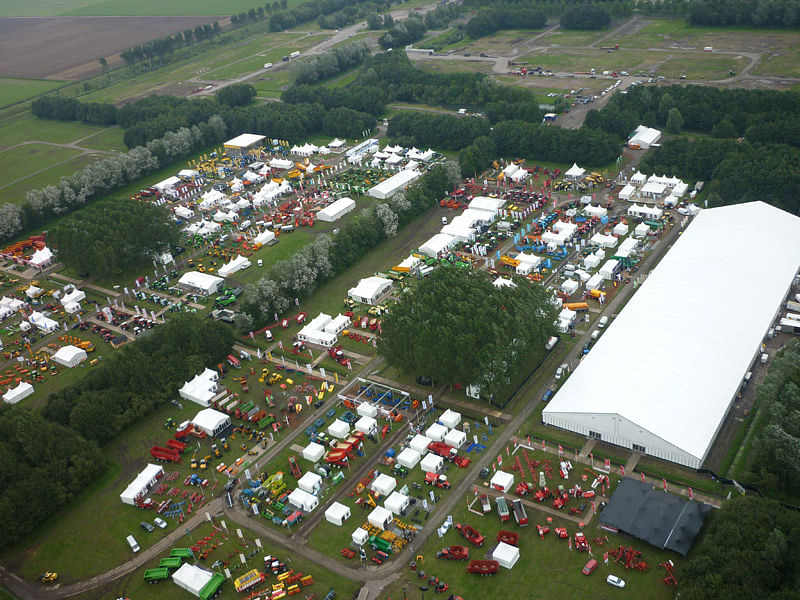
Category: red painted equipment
[453,553]
[483,567]
[508,537]
[470,534]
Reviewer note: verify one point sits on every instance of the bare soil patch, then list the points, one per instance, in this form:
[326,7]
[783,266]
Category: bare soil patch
[67,48]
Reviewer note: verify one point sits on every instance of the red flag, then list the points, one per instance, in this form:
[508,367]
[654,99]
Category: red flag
[528,439]
[499,459]
[594,506]
[280,344]
[664,481]
[691,494]
[607,463]
[543,448]
[621,468]
[508,452]
[642,476]
[560,450]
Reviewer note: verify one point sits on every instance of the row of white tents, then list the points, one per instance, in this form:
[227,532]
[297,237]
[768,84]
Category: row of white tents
[482,210]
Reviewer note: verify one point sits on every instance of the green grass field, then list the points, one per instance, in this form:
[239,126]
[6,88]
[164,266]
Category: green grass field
[572,38]
[699,66]
[107,8]
[59,132]
[16,90]
[781,63]
[23,161]
[106,139]
[15,192]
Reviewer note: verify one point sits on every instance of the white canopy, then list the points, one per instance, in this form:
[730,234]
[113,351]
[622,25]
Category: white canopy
[70,356]
[621,229]
[41,257]
[380,517]
[337,143]
[303,500]
[360,536]
[408,458]
[14,395]
[574,173]
[337,514]
[594,282]
[506,554]
[310,482]
[235,264]
[502,481]
[383,484]
[313,452]
[638,178]
[626,192]
[458,232]
[450,418]
[75,295]
[339,429]
[33,291]
[437,244]
[211,421]
[12,303]
[42,323]
[455,438]
[645,212]
[264,237]
[592,261]
[139,486]
[641,230]
[366,410]
[336,325]
[202,283]
[396,502]
[201,388]
[337,210]
[370,289]
[367,425]
[398,181]
[487,204]
[605,241]
[431,463]
[436,432]
[595,211]
[420,443]
[191,578]
[570,286]
[608,270]
[280,163]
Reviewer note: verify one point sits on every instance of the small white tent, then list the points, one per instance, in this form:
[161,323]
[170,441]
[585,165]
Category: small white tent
[384,484]
[339,429]
[420,443]
[70,356]
[191,578]
[310,482]
[367,425]
[235,264]
[337,514]
[455,438]
[337,210]
[502,481]
[313,452]
[408,458]
[14,395]
[264,237]
[366,410]
[431,463]
[212,422]
[360,536]
[396,503]
[436,432]
[380,517]
[506,554]
[303,500]
[450,418]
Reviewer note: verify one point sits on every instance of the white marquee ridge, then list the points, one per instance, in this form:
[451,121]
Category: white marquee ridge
[671,363]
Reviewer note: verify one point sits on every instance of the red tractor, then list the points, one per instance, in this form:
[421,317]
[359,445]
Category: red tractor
[543,494]
[581,543]
[561,532]
[470,534]
[439,481]
[542,530]
[337,354]
[453,553]
[523,488]
[561,501]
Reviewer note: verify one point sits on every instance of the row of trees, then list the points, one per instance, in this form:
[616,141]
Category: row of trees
[68,109]
[105,176]
[332,62]
[162,48]
[490,20]
[128,386]
[586,17]
[257,13]
[776,459]
[303,273]
[474,333]
[286,18]
[445,132]
[45,465]
[748,550]
[110,239]
[237,94]
[744,13]
[403,33]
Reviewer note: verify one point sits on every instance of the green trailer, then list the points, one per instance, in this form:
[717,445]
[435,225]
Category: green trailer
[181,553]
[211,589]
[173,562]
[380,544]
[156,575]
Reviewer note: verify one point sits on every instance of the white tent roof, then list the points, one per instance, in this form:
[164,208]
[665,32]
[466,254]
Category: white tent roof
[502,479]
[14,395]
[594,282]
[626,192]
[337,143]
[337,324]
[501,282]
[41,257]
[420,443]
[264,237]
[191,578]
[408,458]
[575,171]
[396,502]
[244,140]
[638,178]
[339,429]
[336,210]
[379,517]
[69,356]
[455,438]
[75,295]
[438,243]
[42,323]
[645,136]
[360,536]
[491,205]
[366,424]
[641,229]
[202,281]
[337,513]
[303,500]
[652,187]
[147,476]
[309,482]
[365,409]
[459,232]
[313,452]
[450,418]
[652,342]
[369,287]
[280,163]
[13,303]
[235,264]
[431,463]
[383,484]
[397,181]
[209,419]
[506,554]
[436,432]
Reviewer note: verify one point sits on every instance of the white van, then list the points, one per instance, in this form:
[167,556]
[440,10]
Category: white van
[132,543]
[551,343]
[267,65]
[595,334]
[602,322]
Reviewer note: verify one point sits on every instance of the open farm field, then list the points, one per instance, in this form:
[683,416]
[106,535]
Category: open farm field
[26,160]
[16,90]
[57,132]
[49,8]
[68,48]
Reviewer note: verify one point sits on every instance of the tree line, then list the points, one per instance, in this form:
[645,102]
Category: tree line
[775,465]
[302,274]
[58,108]
[744,13]
[107,240]
[474,333]
[586,17]
[161,49]
[749,549]
[331,63]
[402,33]
[490,20]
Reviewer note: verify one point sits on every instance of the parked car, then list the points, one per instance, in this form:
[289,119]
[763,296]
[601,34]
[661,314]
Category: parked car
[547,395]
[160,523]
[615,581]
[586,347]
[148,527]
[590,566]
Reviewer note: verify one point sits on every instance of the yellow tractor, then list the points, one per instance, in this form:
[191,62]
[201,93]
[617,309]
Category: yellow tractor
[48,577]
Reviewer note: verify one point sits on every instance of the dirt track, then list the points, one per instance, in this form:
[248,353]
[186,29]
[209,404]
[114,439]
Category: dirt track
[58,47]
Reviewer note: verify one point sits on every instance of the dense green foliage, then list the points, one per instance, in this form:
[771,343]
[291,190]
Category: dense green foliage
[749,550]
[301,275]
[107,240]
[331,63]
[403,33]
[237,94]
[347,123]
[446,132]
[44,466]
[586,17]
[489,20]
[744,13]
[776,460]
[138,378]
[161,50]
[473,333]
[68,109]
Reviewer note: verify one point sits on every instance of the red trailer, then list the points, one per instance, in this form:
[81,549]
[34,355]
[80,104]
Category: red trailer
[483,567]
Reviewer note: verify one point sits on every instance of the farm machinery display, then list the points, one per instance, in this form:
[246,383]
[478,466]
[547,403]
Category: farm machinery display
[453,553]
[483,567]
[471,534]
[448,453]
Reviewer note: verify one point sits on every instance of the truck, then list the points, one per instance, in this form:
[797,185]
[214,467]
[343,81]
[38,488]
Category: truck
[377,543]
[502,509]
[520,516]
[294,54]
[439,481]
[449,453]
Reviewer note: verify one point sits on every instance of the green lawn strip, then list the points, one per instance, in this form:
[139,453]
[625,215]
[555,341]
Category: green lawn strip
[48,8]
[324,580]
[108,139]
[23,161]
[574,38]
[546,566]
[33,129]
[780,63]
[15,193]
[250,64]
[16,90]
[702,67]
